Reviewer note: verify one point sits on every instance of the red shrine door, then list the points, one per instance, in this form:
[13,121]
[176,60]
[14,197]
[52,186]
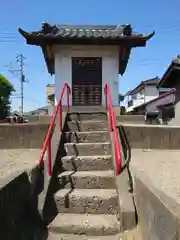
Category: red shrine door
[86,81]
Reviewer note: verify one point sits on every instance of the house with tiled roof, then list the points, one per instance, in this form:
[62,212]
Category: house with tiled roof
[50,94]
[164,99]
[86,57]
[143,93]
[171,79]
[167,104]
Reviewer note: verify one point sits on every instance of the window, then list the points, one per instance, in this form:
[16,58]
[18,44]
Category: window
[134,97]
[141,94]
[130,103]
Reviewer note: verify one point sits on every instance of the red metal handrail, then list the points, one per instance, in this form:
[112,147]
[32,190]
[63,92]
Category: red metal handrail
[47,142]
[109,107]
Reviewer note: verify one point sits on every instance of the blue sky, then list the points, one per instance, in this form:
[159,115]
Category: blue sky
[145,16]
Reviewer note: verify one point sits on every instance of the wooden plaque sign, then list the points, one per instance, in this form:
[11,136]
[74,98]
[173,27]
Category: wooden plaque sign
[86,81]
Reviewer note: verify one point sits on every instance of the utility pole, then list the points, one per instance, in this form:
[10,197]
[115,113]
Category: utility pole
[20,58]
[19,72]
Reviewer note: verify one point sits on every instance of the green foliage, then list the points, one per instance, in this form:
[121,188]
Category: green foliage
[6,88]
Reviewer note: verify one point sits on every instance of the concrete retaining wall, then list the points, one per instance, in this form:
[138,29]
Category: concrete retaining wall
[22,194]
[13,196]
[153,137]
[40,119]
[18,201]
[22,135]
[135,119]
[159,215]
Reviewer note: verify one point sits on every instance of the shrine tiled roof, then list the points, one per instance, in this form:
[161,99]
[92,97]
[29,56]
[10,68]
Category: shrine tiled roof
[116,35]
[109,32]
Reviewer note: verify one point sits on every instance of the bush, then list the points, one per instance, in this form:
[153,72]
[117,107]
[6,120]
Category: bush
[6,88]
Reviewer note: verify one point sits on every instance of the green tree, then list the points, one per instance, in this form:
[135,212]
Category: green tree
[6,88]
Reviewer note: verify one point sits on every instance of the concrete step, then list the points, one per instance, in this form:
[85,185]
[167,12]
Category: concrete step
[91,125]
[88,163]
[87,137]
[80,116]
[134,234]
[85,224]
[86,109]
[93,201]
[58,236]
[87,149]
[88,179]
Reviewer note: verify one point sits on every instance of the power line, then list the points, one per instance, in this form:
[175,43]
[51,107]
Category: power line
[12,37]
[5,37]
[9,37]
[8,41]
[8,32]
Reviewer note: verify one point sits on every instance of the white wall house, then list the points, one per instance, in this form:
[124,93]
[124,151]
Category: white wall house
[86,57]
[143,93]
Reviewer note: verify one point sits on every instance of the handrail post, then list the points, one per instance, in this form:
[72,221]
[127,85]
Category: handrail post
[109,108]
[111,120]
[48,138]
[41,160]
[68,94]
[60,115]
[106,100]
[49,156]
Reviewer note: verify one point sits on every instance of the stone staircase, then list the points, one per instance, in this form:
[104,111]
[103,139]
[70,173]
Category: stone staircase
[88,205]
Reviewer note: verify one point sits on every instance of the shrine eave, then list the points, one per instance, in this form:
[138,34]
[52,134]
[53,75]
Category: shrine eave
[121,35]
[88,35]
